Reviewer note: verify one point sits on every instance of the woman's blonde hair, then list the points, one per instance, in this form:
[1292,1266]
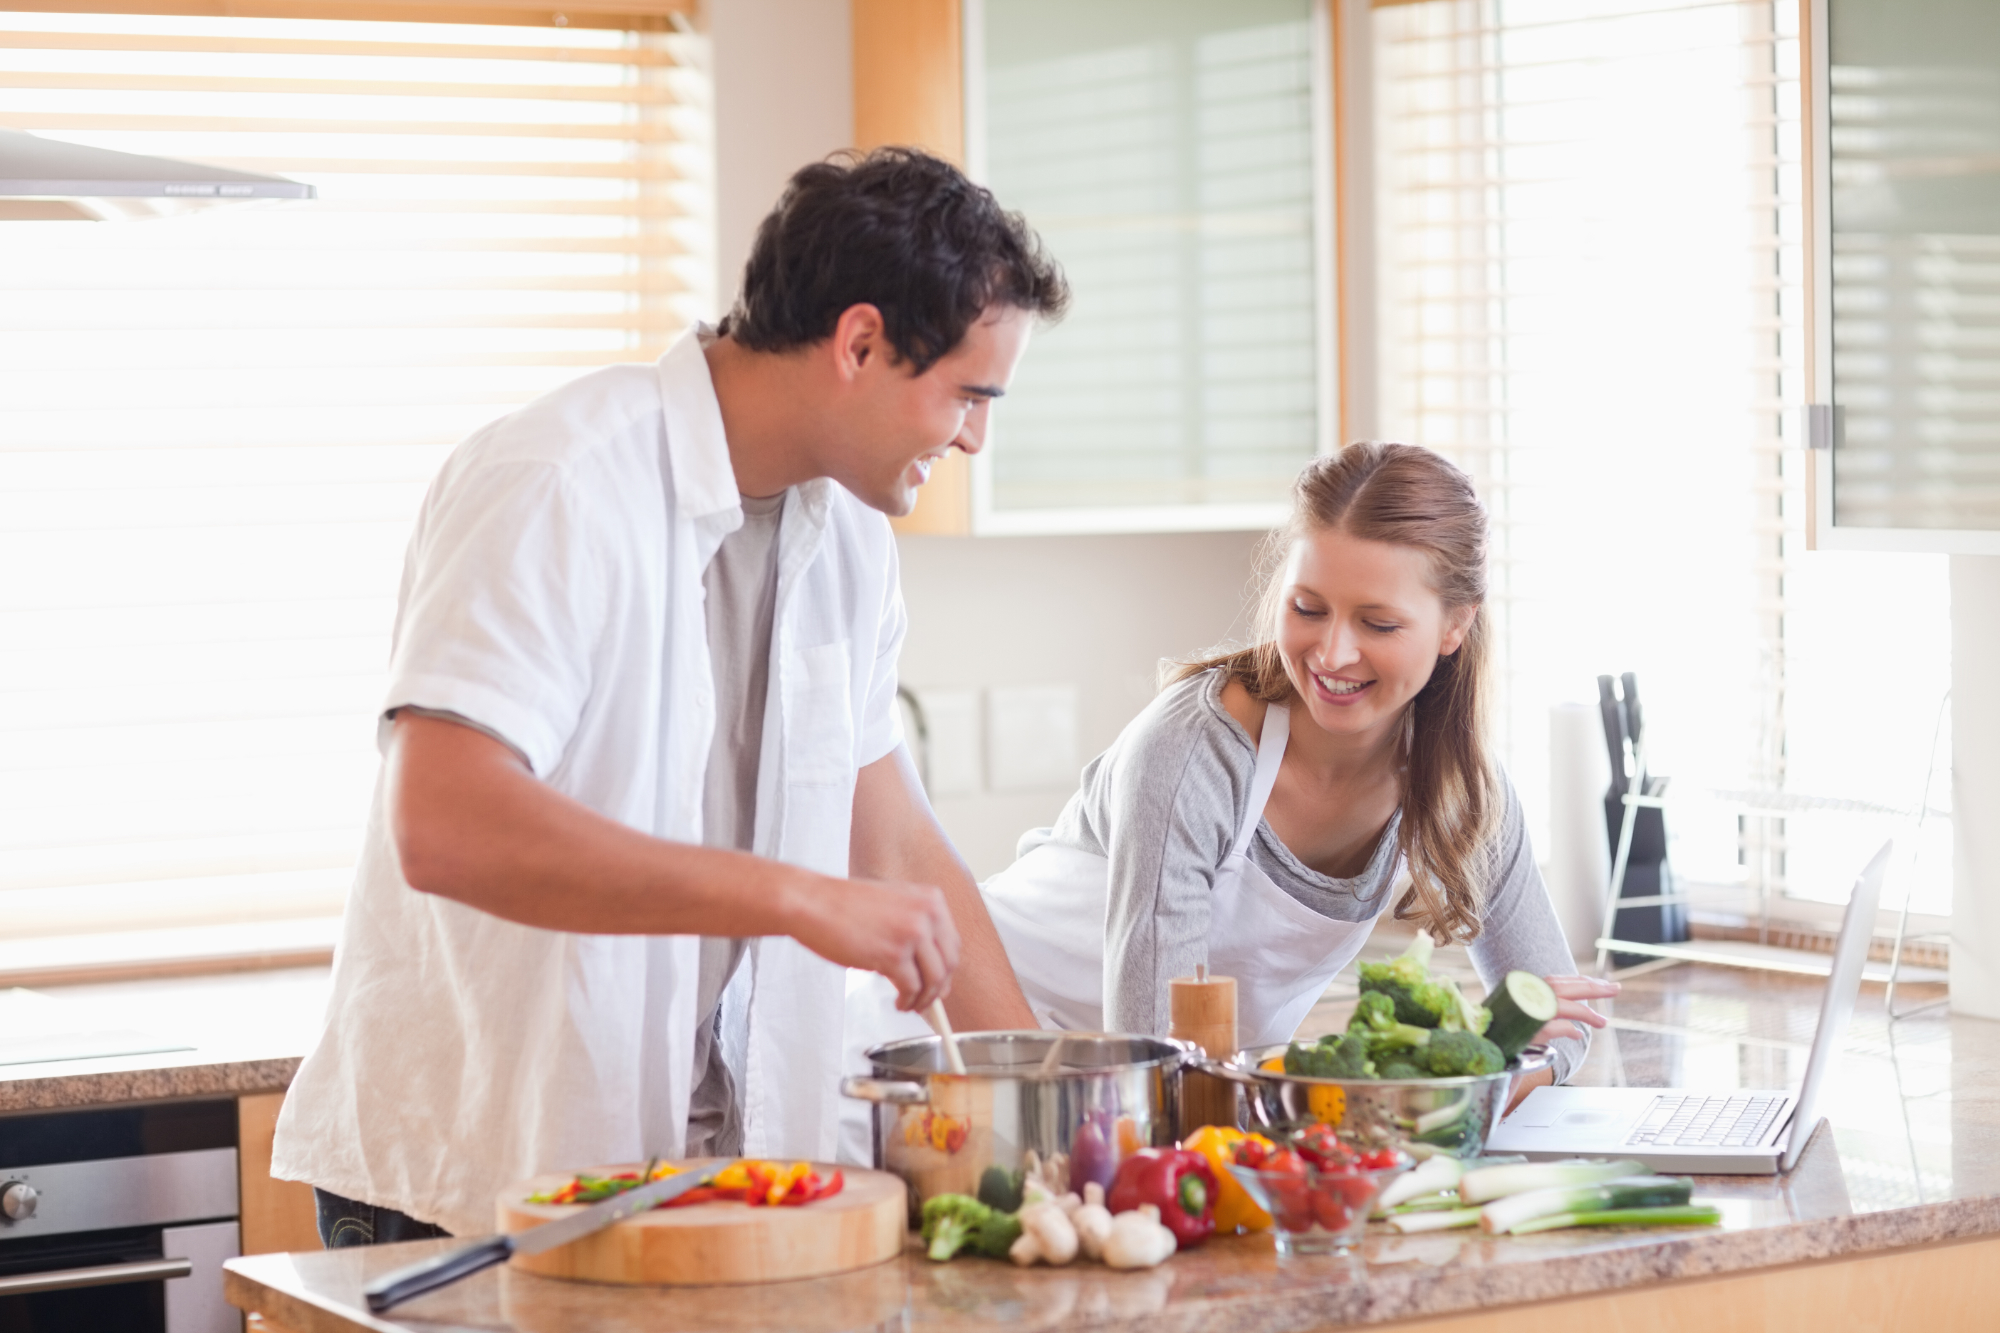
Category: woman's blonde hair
[1405,496]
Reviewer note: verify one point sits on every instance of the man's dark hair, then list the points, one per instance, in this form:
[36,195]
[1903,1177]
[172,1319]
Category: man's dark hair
[899,230]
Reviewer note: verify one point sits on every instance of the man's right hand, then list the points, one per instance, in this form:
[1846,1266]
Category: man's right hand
[903,931]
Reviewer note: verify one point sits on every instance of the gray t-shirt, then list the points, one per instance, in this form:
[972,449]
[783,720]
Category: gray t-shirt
[1163,805]
[741,591]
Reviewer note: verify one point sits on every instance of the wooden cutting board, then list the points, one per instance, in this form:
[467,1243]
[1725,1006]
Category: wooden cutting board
[721,1243]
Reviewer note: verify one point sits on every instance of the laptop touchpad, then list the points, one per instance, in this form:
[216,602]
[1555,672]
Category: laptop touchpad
[1539,1111]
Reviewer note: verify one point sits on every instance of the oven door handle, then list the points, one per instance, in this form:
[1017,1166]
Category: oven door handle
[64,1279]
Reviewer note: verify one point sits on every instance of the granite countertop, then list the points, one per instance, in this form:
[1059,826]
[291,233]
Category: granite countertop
[1911,1157]
[232,1034]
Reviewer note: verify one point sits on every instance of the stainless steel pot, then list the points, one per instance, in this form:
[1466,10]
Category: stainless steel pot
[1068,1121]
[1450,1115]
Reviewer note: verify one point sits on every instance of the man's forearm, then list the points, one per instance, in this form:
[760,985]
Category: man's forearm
[896,836]
[985,996]
[472,824]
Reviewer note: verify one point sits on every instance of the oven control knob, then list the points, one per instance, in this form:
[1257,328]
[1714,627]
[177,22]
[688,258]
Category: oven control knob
[17,1200]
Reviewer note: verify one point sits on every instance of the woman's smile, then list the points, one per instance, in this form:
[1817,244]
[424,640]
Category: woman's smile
[1339,690]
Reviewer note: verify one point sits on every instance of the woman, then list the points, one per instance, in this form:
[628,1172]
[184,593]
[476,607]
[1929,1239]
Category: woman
[1258,815]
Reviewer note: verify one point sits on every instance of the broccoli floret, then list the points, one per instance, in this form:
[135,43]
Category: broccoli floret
[1375,1022]
[1330,1057]
[1451,1054]
[1409,968]
[1420,999]
[1403,1069]
[953,1222]
[1374,1010]
[1441,996]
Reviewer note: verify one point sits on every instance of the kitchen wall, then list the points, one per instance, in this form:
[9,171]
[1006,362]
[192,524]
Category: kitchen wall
[1095,613]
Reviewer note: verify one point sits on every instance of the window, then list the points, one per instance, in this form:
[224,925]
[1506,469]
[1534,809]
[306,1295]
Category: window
[1169,153]
[1588,220]
[215,429]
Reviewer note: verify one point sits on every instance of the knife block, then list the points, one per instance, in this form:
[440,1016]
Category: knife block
[1203,1011]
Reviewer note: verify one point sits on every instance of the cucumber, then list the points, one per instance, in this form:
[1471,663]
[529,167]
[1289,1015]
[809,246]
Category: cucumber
[1521,1004]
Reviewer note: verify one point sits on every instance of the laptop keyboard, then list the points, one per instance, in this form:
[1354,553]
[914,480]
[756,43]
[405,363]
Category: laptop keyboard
[1696,1121]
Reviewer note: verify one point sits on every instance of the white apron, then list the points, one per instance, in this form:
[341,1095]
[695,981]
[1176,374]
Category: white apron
[1049,907]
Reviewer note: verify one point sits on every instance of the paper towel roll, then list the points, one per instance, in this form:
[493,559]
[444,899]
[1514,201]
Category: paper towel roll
[1579,856]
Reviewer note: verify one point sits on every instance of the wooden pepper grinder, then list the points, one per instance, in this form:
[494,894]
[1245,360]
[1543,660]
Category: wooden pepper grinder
[1203,1011]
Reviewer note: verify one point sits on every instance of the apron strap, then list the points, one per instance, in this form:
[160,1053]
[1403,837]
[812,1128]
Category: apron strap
[1270,753]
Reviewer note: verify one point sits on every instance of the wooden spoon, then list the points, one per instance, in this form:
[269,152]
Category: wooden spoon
[942,1026]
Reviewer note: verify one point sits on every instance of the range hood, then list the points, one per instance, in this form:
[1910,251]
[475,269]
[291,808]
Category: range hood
[49,180]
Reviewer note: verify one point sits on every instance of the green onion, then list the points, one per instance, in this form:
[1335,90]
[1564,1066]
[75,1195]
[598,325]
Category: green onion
[1503,1215]
[1429,1177]
[1497,1182]
[1443,1220]
[1429,1203]
[1698,1215]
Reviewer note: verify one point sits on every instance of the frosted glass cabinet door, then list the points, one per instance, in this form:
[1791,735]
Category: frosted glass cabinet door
[1168,153]
[1909,112]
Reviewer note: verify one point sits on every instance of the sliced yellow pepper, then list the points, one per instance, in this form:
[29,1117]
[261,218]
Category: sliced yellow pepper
[1234,1208]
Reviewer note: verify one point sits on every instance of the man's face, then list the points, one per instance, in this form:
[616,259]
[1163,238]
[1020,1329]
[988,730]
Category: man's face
[901,423]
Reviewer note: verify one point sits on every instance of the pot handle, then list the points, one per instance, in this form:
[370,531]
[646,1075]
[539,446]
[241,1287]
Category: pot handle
[1208,1064]
[887,1092]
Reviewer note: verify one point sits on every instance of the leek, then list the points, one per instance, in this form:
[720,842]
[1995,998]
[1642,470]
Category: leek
[1429,1203]
[1697,1215]
[1429,1177]
[1443,1220]
[1497,1182]
[1503,1215]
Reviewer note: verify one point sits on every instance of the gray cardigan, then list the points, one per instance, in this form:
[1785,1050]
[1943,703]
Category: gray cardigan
[1163,805]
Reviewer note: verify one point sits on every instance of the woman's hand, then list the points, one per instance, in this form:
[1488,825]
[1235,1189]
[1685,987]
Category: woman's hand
[1571,992]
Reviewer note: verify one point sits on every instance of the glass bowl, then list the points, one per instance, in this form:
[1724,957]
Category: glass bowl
[1314,1211]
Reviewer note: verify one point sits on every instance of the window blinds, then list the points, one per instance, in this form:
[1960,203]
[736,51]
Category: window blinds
[215,429]
[1583,252]
[1588,222]
[1166,152]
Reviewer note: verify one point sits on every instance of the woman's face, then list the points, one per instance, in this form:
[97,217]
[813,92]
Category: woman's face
[1361,630]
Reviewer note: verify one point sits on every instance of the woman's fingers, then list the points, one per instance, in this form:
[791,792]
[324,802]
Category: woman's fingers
[1556,1030]
[1572,1014]
[1583,988]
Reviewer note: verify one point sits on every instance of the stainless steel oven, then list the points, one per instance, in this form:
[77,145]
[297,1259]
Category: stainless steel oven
[118,1220]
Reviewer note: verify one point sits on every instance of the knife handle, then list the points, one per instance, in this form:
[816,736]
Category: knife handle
[392,1289]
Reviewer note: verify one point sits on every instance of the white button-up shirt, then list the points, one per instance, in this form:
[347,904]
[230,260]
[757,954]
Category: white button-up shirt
[553,596]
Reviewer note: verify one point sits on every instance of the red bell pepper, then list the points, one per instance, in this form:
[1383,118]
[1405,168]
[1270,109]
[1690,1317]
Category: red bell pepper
[1177,1182]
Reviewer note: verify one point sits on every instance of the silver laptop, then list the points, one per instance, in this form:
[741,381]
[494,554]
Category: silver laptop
[1706,1133]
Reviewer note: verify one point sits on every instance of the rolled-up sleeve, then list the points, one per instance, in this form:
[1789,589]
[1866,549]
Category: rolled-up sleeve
[504,602]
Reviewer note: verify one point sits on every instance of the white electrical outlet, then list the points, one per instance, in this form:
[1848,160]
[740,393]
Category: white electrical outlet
[1031,737]
[952,719]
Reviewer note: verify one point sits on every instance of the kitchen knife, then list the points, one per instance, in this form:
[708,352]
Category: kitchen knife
[392,1289]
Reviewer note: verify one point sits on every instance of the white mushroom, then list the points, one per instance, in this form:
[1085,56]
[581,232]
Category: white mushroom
[1138,1239]
[1092,1221]
[1046,1235]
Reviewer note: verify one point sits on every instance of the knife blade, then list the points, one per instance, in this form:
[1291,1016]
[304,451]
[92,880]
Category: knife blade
[392,1289]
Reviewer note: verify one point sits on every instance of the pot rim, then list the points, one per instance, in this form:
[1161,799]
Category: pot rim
[1178,1053]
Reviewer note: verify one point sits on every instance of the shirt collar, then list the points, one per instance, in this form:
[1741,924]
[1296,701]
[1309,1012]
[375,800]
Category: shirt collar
[697,449]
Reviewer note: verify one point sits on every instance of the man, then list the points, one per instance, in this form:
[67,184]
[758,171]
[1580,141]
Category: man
[644,793]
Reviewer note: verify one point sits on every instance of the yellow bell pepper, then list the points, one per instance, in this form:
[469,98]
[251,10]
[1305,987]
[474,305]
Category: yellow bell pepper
[1234,1208]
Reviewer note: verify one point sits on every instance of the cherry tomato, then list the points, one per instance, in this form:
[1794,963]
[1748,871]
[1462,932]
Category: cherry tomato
[1329,1208]
[1253,1153]
[1292,1203]
[1380,1160]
